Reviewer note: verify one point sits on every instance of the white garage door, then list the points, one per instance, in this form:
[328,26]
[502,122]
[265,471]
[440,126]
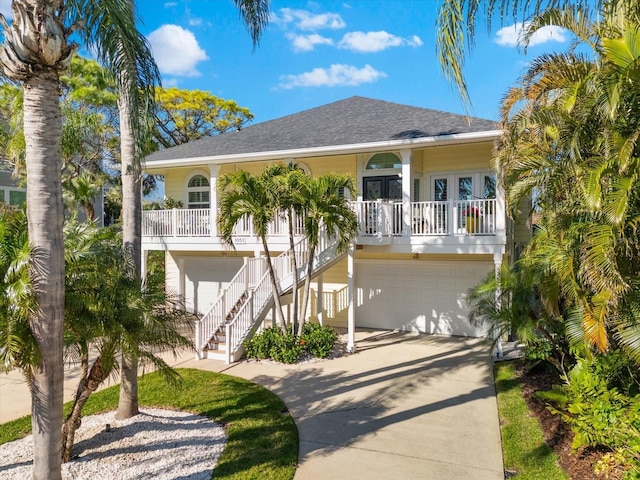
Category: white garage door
[205,278]
[424,296]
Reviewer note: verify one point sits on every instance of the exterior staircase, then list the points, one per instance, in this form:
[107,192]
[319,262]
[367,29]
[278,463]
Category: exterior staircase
[242,307]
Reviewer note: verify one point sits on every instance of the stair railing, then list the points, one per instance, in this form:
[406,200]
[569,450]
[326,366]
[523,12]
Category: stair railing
[247,277]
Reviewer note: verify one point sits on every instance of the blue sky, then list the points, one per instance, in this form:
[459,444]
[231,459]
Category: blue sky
[313,53]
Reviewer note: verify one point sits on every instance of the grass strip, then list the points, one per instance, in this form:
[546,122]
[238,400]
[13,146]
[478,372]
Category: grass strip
[262,439]
[526,454]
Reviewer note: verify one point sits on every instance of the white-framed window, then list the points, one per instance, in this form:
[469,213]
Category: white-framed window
[198,192]
[384,161]
[13,196]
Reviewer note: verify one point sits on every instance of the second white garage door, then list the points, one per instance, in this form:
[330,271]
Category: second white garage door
[424,296]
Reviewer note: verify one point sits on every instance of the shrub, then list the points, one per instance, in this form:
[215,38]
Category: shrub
[598,413]
[318,340]
[260,346]
[287,348]
[273,343]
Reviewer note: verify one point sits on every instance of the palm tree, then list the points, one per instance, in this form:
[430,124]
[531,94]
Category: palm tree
[457,19]
[288,181]
[324,206]
[109,312]
[35,52]
[575,121]
[243,196]
[134,115]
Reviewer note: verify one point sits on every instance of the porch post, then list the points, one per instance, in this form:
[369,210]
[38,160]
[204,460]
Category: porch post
[406,192]
[320,302]
[497,265]
[213,199]
[143,265]
[351,323]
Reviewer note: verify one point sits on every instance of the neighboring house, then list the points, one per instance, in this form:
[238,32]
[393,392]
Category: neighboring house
[419,172]
[9,191]
[13,195]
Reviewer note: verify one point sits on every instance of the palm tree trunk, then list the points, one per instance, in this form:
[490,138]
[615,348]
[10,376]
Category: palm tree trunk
[91,380]
[42,127]
[131,242]
[274,284]
[294,268]
[307,287]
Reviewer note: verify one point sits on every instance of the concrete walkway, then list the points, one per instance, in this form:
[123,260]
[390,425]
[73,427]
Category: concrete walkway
[405,406]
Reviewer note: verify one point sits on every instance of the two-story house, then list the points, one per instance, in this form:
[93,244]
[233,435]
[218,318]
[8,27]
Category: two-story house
[432,220]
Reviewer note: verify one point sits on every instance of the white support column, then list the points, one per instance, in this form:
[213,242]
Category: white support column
[497,265]
[143,265]
[213,199]
[320,302]
[351,342]
[406,192]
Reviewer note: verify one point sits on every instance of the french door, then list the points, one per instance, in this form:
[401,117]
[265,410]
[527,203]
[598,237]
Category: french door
[388,187]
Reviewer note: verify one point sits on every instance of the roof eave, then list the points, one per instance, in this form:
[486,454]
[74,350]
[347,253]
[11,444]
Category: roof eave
[328,150]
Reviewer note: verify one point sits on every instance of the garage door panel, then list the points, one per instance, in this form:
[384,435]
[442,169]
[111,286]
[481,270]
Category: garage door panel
[423,296]
[205,278]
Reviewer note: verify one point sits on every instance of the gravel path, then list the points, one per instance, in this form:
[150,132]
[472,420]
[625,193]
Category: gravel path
[156,444]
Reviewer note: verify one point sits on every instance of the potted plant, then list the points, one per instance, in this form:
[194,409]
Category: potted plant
[472,215]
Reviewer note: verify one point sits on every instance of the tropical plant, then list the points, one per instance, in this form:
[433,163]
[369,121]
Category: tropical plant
[18,347]
[288,181]
[457,20]
[563,124]
[598,413]
[134,110]
[318,340]
[248,197]
[108,312]
[325,209]
[523,303]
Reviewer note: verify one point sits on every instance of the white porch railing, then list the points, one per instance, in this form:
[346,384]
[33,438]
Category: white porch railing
[375,218]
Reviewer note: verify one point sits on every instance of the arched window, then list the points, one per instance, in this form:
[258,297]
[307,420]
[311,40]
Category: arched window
[198,192]
[384,160]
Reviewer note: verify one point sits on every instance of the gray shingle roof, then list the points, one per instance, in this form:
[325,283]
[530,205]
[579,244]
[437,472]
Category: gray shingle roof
[351,121]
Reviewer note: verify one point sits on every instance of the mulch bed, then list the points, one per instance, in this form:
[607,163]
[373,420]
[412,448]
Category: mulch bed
[558,435]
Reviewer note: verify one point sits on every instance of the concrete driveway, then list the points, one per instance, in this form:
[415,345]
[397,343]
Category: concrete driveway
[404,406]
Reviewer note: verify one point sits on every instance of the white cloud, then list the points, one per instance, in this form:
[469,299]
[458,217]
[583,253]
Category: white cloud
[5,9]
[195,22]
[306,20]
[176,51]
[306,43]
[375,41]
[511,36]
[336,75]
[170,4]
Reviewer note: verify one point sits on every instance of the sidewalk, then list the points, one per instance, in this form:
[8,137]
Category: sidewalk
[404,406]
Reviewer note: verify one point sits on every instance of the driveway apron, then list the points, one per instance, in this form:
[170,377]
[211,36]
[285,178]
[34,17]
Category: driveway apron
[404,406]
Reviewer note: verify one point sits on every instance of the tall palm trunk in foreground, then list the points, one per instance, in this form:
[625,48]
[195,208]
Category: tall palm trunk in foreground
[42,127]
[33,53]
[132,244]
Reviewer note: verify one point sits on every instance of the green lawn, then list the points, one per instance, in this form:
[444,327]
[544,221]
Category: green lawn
[262,439]
[523,447]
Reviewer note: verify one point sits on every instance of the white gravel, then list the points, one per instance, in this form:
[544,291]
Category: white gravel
[156,444]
